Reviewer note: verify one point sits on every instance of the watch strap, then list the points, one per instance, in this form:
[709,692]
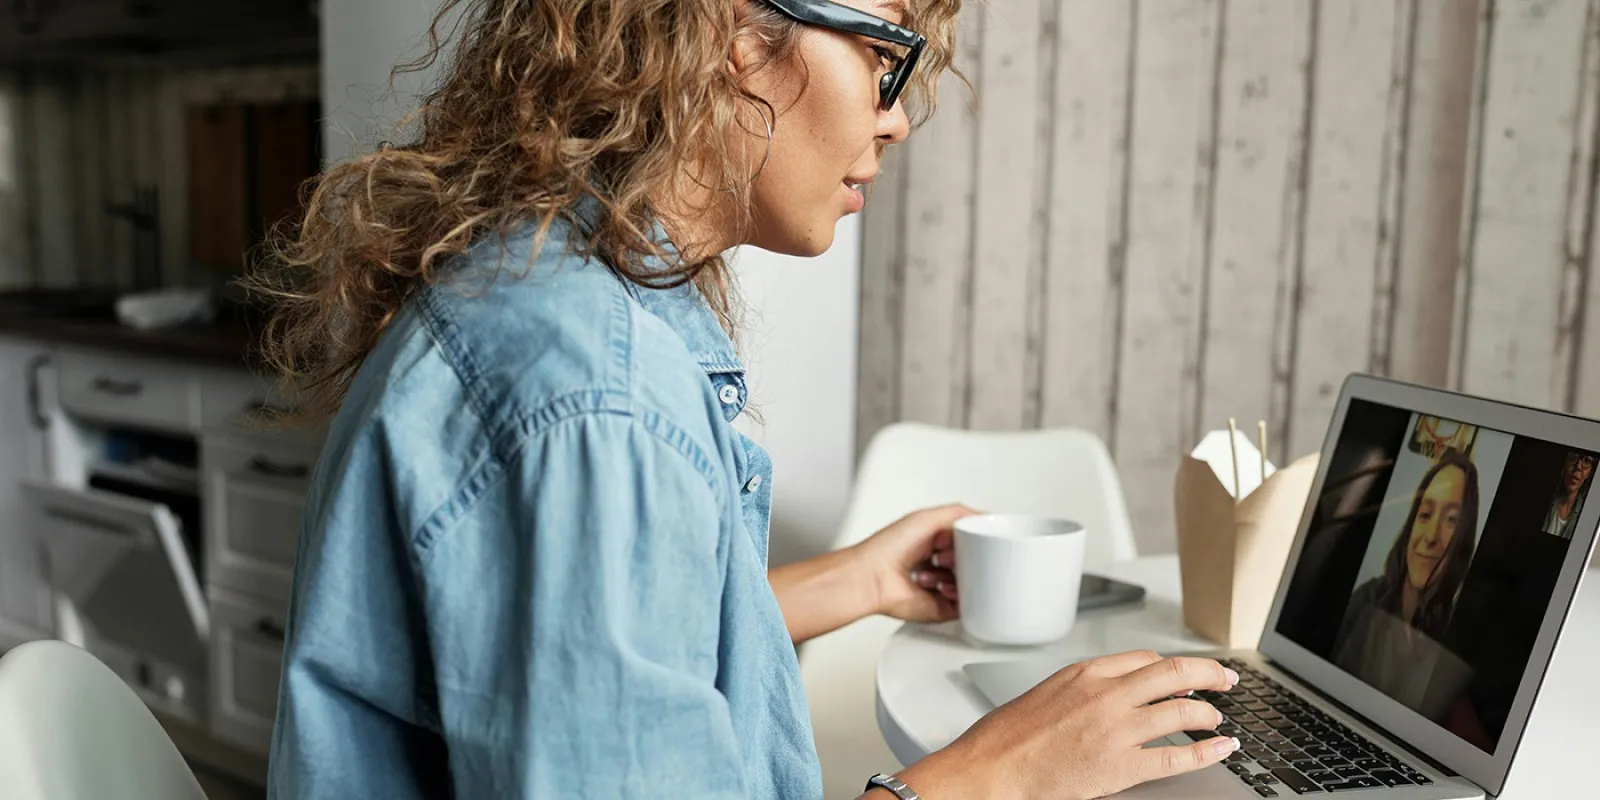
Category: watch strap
[893,784]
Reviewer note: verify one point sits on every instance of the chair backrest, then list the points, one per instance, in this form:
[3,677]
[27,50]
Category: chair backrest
[70,729]
[1063,472]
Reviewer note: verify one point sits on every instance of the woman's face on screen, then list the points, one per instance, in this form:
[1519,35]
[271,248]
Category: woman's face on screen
[1577,473]
[1438,518]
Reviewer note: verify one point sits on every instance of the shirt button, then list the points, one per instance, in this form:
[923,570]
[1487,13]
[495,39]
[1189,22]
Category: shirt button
[753,484]
[729,395]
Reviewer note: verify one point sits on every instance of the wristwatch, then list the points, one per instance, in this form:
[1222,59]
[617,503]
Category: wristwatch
[893,784]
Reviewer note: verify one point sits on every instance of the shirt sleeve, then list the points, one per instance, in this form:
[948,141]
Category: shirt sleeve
[574,615]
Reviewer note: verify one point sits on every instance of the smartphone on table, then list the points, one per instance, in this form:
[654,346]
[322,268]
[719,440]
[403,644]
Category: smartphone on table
[1098,591]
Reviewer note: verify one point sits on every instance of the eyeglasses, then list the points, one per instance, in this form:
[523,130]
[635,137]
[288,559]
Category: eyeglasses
[834,16]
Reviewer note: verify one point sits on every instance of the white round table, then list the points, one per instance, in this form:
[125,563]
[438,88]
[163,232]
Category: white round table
[925,701]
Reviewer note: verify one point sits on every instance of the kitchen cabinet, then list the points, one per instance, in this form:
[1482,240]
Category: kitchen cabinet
[124,520]
[246,666]
[103,387]
[254,494]
[25,372]
[124,577]
[142,518]
[55,30]
[247,163]
[36,22]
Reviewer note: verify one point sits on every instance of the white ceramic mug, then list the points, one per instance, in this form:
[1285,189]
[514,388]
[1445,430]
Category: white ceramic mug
[1017,576]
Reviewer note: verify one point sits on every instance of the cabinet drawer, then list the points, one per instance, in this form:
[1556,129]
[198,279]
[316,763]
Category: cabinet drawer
[246,663]
[255,492]
[226,394]
[149,393]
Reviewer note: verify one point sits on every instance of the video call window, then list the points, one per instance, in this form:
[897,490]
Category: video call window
[1423,540]
[1431,558]
[1566,499]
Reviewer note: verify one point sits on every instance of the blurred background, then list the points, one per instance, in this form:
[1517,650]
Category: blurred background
[1157,215]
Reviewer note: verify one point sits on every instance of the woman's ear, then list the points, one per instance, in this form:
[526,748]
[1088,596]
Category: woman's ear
[742,53]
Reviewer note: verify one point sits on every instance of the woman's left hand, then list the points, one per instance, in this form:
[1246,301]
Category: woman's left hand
[912,564]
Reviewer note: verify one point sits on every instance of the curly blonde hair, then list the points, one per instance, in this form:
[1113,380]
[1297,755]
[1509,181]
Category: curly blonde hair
[542,102]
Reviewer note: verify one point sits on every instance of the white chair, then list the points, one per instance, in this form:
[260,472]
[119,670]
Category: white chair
[70,729]
[907,466]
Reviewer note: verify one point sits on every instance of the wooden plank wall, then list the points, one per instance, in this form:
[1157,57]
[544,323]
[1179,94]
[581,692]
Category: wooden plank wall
[73,140]
[1165,214]
[1528,260]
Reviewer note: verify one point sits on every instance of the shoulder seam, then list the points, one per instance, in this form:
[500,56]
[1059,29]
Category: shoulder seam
[577,406]
[457,358]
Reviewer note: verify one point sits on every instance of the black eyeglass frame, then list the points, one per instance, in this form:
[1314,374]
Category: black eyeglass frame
[843,18]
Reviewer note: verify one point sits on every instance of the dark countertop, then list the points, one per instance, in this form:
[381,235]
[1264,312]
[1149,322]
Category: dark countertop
[87,318]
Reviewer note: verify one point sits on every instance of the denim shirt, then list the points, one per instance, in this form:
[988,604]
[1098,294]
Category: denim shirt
[533,559]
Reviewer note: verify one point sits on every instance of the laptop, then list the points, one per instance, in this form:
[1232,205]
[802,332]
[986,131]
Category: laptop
[1442,544]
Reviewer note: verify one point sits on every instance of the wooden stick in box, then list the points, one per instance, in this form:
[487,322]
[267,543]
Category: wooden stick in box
[1233,448]
[1261,438]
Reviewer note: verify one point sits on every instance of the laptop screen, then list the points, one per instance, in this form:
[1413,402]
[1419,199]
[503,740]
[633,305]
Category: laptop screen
[1431,559]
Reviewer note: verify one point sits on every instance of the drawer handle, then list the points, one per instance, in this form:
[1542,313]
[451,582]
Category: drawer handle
[35,407]
[117,388]
[270,629]
[262,466]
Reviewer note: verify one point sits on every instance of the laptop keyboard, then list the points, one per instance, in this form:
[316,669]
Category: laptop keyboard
[1290,747]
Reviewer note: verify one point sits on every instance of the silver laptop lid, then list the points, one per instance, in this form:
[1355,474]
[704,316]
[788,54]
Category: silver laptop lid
[1443,542]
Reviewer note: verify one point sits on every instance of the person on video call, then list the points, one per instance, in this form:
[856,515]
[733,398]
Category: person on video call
[1567,504]
[1394,623]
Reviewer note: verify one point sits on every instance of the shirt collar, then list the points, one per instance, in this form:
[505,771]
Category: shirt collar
[683,308]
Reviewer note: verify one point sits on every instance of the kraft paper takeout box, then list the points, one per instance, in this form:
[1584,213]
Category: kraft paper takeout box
[1231,551]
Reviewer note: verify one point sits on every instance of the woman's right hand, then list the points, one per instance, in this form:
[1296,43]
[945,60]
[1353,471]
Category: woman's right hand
[1080,733]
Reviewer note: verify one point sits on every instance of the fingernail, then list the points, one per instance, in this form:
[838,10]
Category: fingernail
[1233,677]
[1220,719]
[1226,746]
[916,576]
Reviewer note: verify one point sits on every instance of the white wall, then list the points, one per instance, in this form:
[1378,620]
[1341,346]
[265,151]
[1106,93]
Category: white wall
[362,40]
[799,339]
[799,345]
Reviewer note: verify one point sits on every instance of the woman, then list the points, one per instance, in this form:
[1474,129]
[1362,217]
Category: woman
[533,562]
[1395,622]
[1561,519]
